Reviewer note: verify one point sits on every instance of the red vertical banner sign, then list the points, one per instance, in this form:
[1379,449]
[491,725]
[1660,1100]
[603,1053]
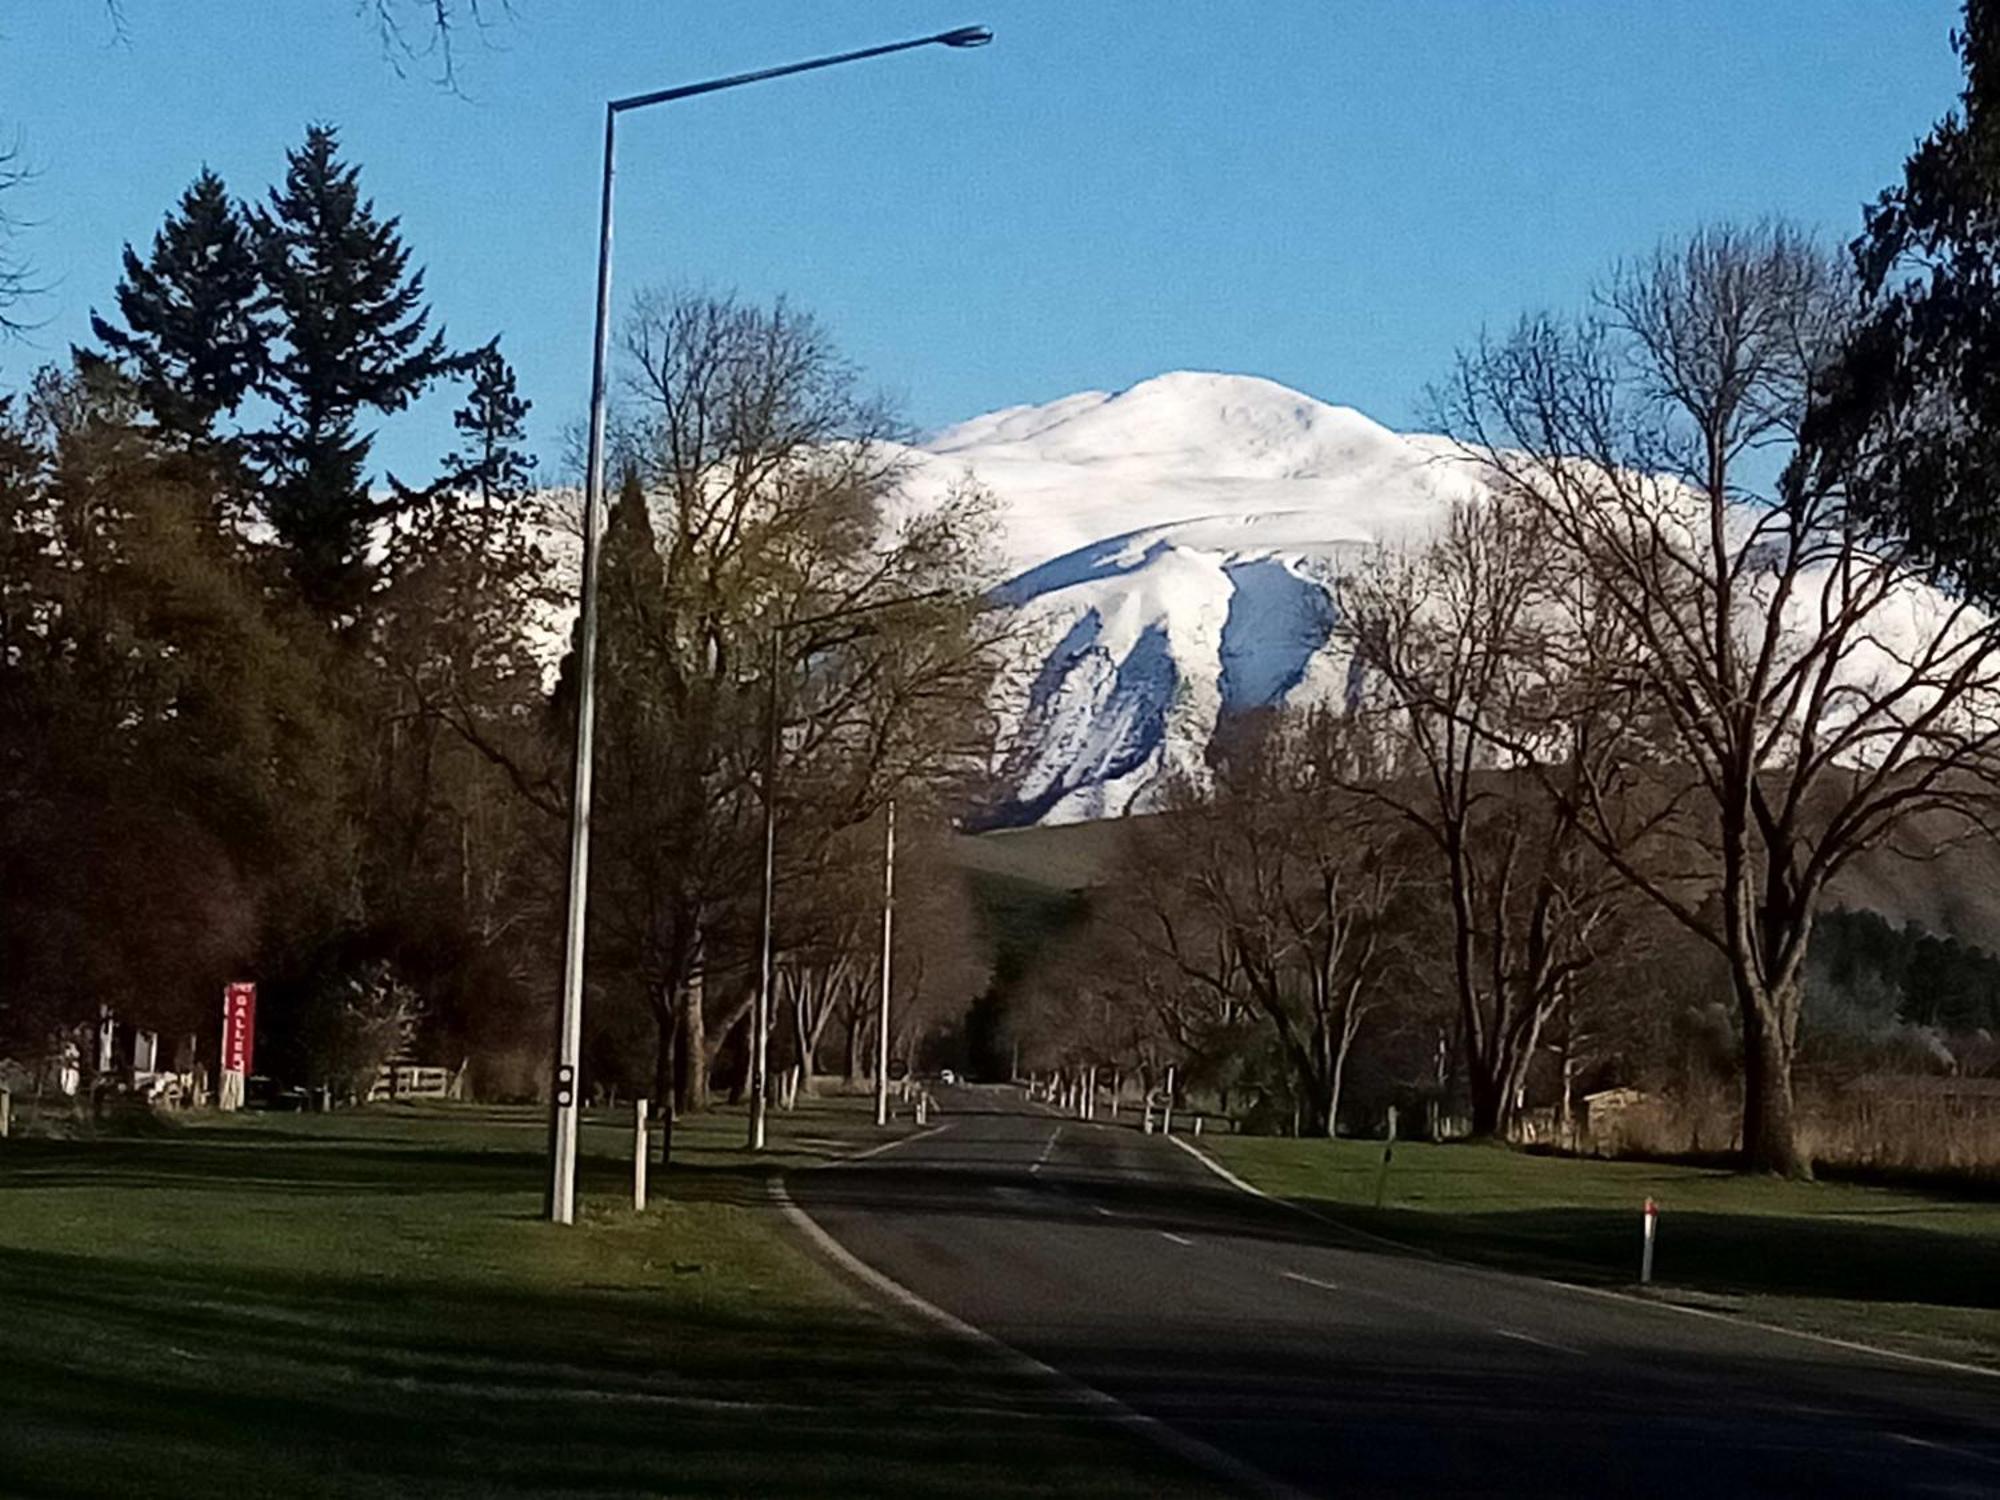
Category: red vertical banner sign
[239,1028]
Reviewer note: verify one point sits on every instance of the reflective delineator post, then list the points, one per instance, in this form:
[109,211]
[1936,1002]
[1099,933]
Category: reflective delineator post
[1388,1155]
[1646,1254]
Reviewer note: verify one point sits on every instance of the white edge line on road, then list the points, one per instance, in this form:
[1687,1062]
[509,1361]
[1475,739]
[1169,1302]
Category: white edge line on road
[1191,1449]
[1178,1239]
[1852,1346]
[902,1140]
[1935,1446]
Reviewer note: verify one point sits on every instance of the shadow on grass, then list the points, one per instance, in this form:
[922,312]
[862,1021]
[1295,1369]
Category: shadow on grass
[260,1162]
[1731,1253]
[1847,1256]
[119,1377]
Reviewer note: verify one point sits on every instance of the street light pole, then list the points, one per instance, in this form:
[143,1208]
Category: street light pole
[760,1011]
[563,1104]
[888,920]
[760,1019]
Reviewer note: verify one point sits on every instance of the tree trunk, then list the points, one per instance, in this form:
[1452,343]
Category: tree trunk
[850,1065]
[739,1083]
[1770,1116]
[1489,1100]
[663,1055]
[691,1074]
[1334,1087]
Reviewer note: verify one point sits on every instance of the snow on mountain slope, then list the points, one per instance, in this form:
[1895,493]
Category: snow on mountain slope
[1173,547]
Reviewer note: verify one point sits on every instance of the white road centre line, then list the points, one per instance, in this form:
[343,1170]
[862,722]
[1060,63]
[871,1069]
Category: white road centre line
[1540,1343]
[1506,1333]
[1244,1476]
[921,1135]
[1042,1160]
[1178,1239]
[1303,1279]
[1102,1212]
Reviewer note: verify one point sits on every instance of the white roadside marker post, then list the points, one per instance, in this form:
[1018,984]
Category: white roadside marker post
[639,1156]
[1652,1217]
[1167,1109]
[1388,1154]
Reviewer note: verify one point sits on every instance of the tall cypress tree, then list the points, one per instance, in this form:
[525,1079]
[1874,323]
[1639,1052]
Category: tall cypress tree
[356,338]
[196,334]
[1911,411]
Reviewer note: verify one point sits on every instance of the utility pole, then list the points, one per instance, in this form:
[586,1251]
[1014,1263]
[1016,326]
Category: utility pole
[888,925]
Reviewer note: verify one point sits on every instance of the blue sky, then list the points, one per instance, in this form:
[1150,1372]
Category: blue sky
[1334,195]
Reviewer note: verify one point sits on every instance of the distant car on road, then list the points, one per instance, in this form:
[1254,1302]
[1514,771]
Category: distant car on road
[261,1092]
[947,1076]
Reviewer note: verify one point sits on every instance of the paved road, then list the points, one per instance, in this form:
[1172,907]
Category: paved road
[1332,1366]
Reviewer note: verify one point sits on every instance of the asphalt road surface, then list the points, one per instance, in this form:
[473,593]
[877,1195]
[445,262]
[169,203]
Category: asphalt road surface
[1292,1357]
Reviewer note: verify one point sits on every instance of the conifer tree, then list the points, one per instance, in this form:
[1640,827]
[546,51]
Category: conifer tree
[196,334]
[356,338]
[490,465]
[487,477]
[1909,414]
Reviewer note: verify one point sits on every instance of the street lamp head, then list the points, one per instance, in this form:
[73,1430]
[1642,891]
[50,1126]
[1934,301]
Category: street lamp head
[966,36]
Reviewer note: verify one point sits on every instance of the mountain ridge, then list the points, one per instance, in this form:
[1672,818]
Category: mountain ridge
[1172,549]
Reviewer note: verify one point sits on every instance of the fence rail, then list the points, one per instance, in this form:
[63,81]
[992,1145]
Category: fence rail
[408,1081]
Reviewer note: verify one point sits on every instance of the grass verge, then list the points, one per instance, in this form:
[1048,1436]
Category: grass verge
[1909,1268]
[369,1304]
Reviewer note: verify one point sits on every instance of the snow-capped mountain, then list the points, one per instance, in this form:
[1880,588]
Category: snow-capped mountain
[1172,547]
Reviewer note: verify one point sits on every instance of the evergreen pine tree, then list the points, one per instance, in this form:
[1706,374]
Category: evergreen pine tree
[1910,413]
[490,465]
[355,329]
[196,335]
[489,471]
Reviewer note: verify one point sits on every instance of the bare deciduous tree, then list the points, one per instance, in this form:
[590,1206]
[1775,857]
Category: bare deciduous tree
[1785,690]
[1276,891]
[759,560]
[15,282]
[1448,637]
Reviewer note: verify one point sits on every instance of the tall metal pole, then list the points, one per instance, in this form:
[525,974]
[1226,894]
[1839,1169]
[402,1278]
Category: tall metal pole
[561,1202]
[760,1043]
[888,921]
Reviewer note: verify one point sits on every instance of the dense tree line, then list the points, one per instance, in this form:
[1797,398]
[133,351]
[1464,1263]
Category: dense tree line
[1884,976]
[269,713]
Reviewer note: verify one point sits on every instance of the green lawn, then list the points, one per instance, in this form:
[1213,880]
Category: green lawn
[368,1304]
[1905,1267]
